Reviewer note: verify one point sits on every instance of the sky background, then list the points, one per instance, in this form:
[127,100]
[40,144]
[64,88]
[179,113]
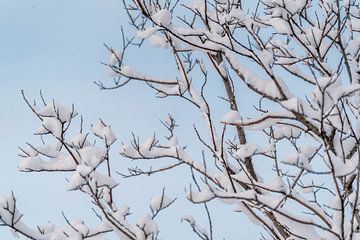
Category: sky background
[57,46]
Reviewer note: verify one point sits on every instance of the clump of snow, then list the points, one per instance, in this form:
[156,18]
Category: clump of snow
[292,104]
[53,125]
[104,180]
[267,88]
[148,32]
[344,90]
[35,163]
[277,185]
[353,197]
[123,211]
[246,150]
[130,72]
[353,46]
[78,141]
[266,57]
[204,195]
[298,160]
[129,151]
[80,227]
[166,90]
[56,110]
[84,170]
[340,166]
[91,156]
[148,144]
[160,202]
[162,18]
[301,226]
[280,25]
[46,228]
[86,173]
[231,117]
[6,202]
[146,228]
[76,180]
[104,132]
[42,131]
[50,150]
[355,23]
[286,132]
[237,14]
[337,215]
[158,41]
[115,57]
[301,159]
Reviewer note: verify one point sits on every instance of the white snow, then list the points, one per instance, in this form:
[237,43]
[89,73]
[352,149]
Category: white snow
[246,150]
[62,163]
[264,87]
[341,167]
[78,141]
[104,132]
[355,23]
[158,41]
[286,132]
[204,195]
[280,25]
[148,32]
[115,57]
[56,110]
[146,225]
[162,18]
[160,202]
[266,57]
[103,180]
[76,180]
[292,104]
[91,156]
[231,117]
[53,125]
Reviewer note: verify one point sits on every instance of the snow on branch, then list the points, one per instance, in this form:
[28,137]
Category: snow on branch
[285,153]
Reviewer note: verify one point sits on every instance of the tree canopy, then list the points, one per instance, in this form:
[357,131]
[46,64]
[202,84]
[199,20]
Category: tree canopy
[290,165]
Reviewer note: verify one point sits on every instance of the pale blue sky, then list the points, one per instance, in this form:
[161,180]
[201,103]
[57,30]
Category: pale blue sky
[57,46]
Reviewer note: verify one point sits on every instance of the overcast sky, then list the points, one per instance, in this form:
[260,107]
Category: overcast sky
[57,46]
